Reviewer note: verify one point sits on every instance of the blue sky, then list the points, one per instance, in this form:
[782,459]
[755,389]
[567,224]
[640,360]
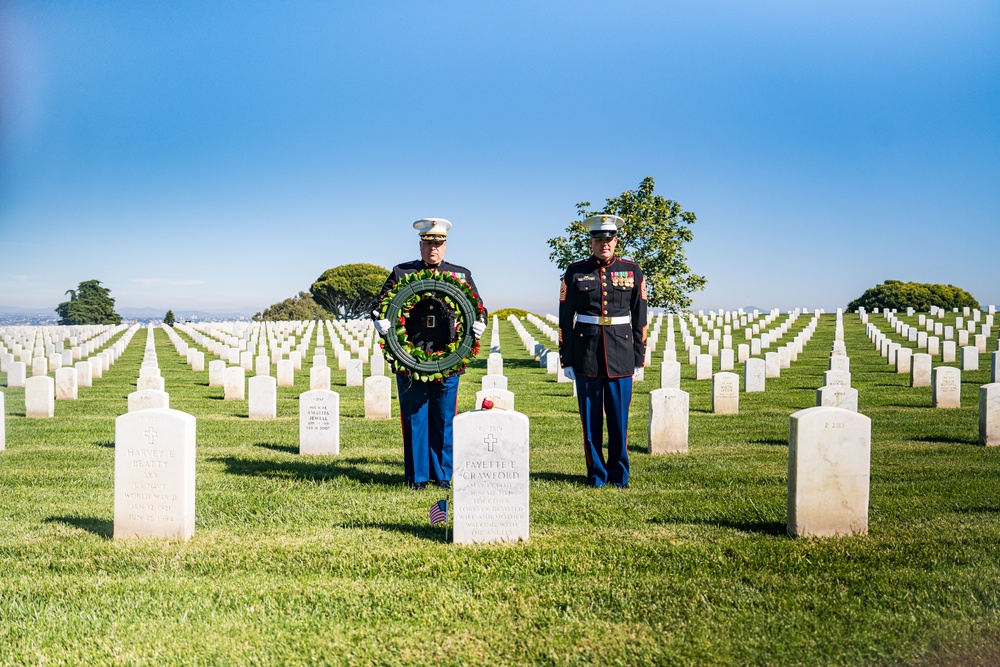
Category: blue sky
[222,155]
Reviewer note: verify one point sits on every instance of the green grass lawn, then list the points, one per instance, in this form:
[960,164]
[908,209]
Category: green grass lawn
[315,560]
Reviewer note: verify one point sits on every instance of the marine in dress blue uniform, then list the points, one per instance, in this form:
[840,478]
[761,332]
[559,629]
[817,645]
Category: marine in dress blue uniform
[602,342]
[427,409]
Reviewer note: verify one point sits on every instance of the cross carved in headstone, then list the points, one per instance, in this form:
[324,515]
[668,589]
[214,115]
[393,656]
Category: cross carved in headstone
[150,435]
[490,440]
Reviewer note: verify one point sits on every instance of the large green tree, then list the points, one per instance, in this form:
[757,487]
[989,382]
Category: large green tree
[301,307]
[89,303]
[919,296]
[653,235]
[349,291]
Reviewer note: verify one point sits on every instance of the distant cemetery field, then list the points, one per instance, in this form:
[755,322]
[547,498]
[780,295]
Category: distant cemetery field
[319,558]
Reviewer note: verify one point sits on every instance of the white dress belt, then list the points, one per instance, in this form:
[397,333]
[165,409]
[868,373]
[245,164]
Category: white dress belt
[604,321]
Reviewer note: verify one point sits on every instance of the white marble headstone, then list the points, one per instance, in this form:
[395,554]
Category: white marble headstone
[148,399]
[319,422]
[155,474]
[319,378]
[494,364]
[772,365]
[40,397]
[946,387]
[920,370]
[217,373]
[753,375]
[670,375]
[491,381]
[491,477]
[703,367]
[668,421]
[16,374]
[378,397]
[355,373]
[263,401]
[970,358]
[502,399]
[829,472]
[234,383]
[726,393]
[837,377]
[66,384]
[837,396]
[989,414]
[84,374]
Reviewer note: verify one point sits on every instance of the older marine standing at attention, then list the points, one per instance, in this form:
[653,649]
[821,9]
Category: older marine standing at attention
[427,409]
[602,343]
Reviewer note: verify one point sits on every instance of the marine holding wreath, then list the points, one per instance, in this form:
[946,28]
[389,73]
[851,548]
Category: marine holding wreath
[602,343]
[430,318]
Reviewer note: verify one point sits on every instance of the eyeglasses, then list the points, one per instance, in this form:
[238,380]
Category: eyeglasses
[430,242]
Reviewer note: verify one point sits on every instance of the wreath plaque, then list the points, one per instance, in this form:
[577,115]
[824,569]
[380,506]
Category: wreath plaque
[405,357]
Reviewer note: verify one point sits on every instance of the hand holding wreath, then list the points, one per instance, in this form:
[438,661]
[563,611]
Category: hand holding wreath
[431,294]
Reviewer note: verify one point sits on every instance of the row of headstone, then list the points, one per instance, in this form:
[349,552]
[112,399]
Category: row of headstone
[41,391]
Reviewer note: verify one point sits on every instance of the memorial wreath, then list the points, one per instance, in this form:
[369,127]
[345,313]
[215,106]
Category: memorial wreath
[457,297]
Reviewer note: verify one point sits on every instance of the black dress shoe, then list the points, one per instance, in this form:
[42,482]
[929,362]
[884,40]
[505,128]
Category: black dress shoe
[418,486]
[442,485]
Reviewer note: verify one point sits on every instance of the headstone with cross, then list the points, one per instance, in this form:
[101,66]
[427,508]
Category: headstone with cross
[490,477]
[154,474]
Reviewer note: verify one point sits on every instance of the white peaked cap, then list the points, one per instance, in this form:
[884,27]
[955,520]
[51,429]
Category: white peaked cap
[432,227]
[604,224]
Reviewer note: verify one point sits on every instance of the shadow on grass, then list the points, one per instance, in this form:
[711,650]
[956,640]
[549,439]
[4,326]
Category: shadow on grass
[775,528]
[285,449]
[575,480]
[106,444]
[778,442]
[433,534]
[950,439]
[520,363]
[310,470]
[101,527]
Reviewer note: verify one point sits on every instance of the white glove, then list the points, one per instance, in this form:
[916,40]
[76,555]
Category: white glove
[381,326]
[478,328]
[637,369]
[569,372]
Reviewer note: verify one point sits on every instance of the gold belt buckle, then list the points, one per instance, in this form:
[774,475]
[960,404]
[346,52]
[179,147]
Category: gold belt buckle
[605,320]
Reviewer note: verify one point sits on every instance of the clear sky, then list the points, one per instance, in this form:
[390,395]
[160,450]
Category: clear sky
[221,155]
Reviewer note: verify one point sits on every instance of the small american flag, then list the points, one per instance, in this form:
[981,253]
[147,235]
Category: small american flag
[439,512]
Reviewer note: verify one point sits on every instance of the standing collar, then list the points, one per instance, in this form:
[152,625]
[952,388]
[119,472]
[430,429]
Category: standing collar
[600,263]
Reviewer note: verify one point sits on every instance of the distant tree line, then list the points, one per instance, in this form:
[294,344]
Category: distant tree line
[919,296]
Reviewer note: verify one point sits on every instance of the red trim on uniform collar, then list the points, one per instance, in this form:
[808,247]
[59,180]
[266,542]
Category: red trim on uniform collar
[600,263]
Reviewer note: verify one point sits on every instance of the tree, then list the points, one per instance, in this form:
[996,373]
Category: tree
[919,296]
[349,291]
[653,235]
[168,319]
[89,303]
[301,307]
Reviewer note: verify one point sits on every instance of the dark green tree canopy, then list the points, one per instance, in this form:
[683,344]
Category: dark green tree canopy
[348,291]
[301,307]
[169,319]
[89,303]
[919,296]
[653,235]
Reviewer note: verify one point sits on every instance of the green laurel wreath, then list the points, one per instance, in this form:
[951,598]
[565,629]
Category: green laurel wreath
[406,358]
